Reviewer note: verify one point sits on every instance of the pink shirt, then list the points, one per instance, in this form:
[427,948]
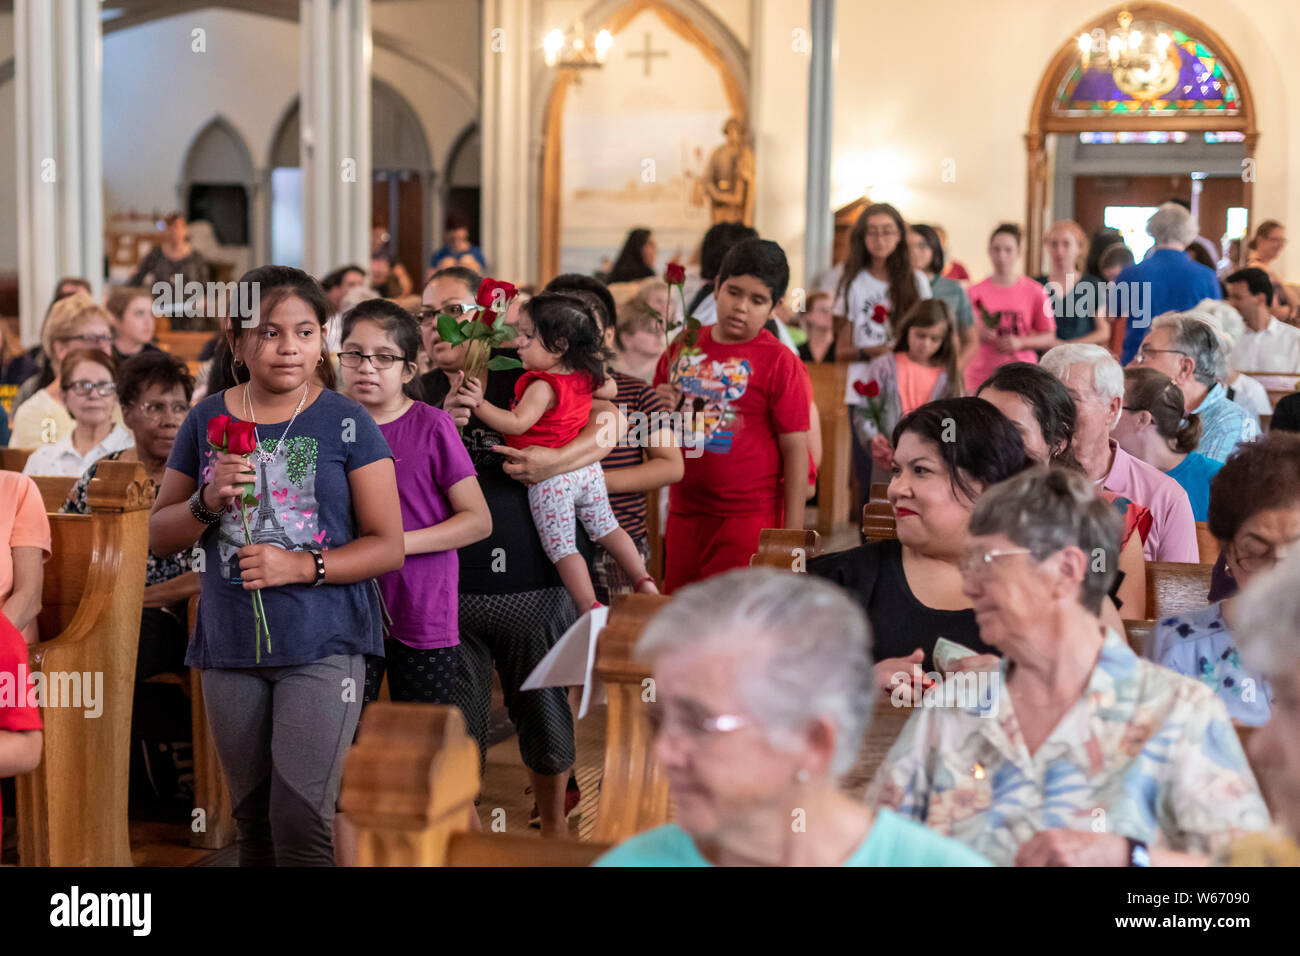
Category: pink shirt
[1025,311]
[1173,528]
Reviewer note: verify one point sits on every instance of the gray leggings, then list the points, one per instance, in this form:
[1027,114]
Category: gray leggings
[282,733]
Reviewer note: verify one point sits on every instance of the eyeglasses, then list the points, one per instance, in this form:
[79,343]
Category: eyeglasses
[692,723]
[1251,562]
[978,563]
[429,317]
[102,389]
[91,340]
[382,362]
[1145,350]
[154,412]
[881,233]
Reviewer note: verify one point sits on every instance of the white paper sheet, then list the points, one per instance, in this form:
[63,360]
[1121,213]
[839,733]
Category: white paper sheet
[571,660]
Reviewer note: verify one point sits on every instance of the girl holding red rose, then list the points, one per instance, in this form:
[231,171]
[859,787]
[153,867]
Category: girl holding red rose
[305,475]
[878,285]
[921,368]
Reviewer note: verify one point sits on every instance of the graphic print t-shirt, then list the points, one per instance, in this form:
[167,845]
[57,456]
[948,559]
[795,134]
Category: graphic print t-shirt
[304,504]
[742,397]
[1024,310]
[866,304]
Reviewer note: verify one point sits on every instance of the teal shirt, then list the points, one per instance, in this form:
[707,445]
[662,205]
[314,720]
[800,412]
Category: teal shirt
[894,840]
[1194,473]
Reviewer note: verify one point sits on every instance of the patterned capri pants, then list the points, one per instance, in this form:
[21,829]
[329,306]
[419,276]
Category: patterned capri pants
[514,632]
[555,502]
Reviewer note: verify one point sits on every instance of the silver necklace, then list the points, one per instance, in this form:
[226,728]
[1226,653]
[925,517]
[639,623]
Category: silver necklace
[263,456]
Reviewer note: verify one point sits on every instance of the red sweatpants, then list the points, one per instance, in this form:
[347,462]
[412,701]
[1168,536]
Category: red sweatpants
[700,546]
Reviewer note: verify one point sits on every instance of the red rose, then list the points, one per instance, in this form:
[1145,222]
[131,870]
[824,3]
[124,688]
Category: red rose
[869,389]
[675,274]
[217,431]
[495,294]
[879,314]
[242,438]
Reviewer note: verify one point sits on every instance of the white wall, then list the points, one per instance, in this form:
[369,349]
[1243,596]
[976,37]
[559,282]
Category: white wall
[955,80]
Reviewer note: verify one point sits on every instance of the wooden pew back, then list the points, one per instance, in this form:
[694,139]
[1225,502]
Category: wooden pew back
[785,549]
[633,791]
[878,515]
[408,788]
[829,380]
[1176,588]
[1207,545]
[72,809]
[13,459]
[54,489]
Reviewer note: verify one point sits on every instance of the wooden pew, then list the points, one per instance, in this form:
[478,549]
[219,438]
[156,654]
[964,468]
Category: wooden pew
[1175,588]
[185,345]
[785,549]
[211,795]
[13,459]
[1139,635]
[54,489]
[829,380]
[72,809]
[878,515]
[654,538]
[633,791]
[408,788]
[1206,544]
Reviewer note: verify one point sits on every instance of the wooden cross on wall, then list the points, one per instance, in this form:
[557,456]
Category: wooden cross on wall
[646,53]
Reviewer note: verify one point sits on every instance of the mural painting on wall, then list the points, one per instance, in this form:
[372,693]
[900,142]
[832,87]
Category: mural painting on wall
[640,149]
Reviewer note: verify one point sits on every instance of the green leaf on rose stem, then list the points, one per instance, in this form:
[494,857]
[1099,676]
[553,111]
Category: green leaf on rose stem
[693,323]
[449,330]
[690,338]
[499,363]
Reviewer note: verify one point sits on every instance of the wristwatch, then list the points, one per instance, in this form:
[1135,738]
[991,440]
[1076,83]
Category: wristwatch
[320,569]
[200,510]
[1138,854]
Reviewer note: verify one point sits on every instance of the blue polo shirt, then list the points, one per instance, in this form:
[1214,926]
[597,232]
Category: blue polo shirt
[1166,281]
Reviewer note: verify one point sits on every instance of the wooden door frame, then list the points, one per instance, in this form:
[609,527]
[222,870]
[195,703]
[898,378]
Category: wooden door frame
[1042,122]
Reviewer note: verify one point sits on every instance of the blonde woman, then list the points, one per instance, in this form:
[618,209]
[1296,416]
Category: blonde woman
[77,321]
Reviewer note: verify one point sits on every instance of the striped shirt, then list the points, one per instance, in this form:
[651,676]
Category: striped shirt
[637,396]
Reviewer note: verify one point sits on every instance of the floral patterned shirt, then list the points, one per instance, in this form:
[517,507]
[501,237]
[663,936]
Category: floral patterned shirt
[1144,753]
[1201,646]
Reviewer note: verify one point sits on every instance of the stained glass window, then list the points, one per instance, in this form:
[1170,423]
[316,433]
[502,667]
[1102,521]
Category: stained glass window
[1198,84]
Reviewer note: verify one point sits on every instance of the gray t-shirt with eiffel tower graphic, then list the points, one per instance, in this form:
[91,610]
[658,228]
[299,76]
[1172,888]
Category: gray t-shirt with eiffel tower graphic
[304,504]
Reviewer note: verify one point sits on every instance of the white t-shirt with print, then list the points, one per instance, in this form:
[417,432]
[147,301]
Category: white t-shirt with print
[864,294]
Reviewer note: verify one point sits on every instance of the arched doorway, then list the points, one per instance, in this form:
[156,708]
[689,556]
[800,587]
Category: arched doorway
[216,190]
[636,86]
[402,179]
[1101,143]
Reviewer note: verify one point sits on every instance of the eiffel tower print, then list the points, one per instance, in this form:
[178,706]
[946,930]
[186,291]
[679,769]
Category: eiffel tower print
[265,526]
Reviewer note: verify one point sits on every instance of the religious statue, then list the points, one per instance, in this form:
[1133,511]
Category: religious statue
[729,181]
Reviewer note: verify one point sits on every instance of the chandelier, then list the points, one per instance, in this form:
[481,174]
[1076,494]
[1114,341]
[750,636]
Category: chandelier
[575,50]
[1143,62]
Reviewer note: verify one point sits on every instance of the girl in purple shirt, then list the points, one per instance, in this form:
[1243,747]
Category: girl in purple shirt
[442,505]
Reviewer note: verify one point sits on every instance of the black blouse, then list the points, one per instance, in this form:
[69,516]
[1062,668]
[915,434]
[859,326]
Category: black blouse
[873,574]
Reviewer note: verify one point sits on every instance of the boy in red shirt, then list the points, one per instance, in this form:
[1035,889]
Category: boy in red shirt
[20,725]
[750,396]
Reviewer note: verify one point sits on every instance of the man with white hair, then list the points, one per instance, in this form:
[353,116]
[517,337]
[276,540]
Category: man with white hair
[1267,344]
[1167,280]
[1190,351]
[1096,382]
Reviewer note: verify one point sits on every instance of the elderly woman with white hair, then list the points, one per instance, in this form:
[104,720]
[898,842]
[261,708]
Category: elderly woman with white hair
[1080,753]
[763,693]
[1270,644]
[1191,352]
[1167,280]
[1096,383]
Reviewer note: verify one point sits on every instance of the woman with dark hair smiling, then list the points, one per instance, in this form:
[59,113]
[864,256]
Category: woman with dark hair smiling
[945,454]
[1043,412]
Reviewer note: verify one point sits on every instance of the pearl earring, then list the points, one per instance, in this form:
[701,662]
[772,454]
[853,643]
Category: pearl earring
[802,776]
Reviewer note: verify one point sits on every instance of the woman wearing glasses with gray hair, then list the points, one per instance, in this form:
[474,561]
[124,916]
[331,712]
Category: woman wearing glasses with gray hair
[1081,754]
[763,692]
[90,396]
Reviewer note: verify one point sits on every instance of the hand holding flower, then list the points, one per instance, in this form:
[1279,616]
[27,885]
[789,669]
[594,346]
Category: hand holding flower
[268,566]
